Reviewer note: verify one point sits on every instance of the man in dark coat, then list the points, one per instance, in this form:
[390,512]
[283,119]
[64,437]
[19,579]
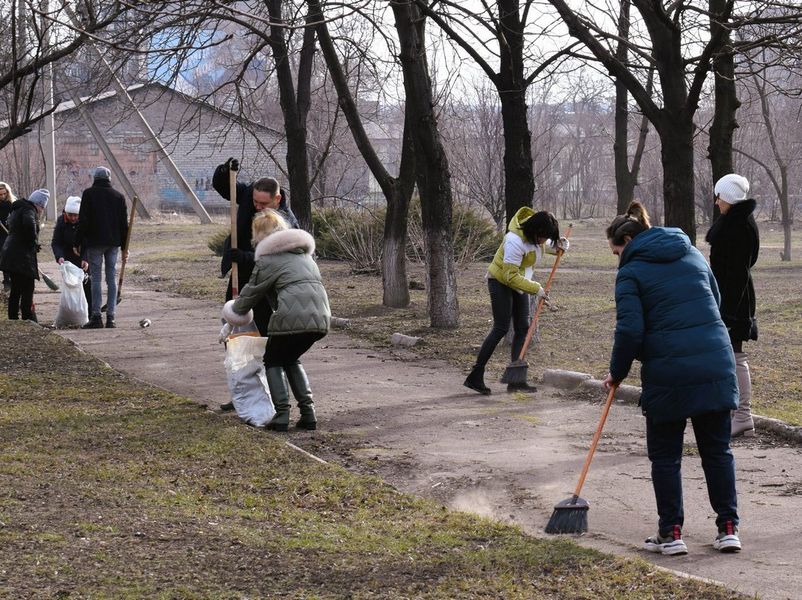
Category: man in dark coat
[251,198]
[65,242]
[19,253]
[102,231]
[734,245]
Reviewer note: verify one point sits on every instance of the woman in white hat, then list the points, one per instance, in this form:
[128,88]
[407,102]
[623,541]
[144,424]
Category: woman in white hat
[734,245]
[64,243]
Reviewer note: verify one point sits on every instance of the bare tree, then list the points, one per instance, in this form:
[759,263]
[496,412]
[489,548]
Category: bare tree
[432,170]
[512,27]
[397,190]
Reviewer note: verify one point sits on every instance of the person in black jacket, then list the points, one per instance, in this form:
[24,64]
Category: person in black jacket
[6,200]
[251,198]
[19,253]
[102,230]
[734,245]
[65,242]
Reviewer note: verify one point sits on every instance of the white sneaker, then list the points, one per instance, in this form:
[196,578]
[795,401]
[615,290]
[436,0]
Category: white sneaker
[727,539]
[671,545]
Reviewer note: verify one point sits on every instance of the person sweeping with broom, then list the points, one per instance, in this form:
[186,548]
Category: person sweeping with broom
[667,316]
[509,283]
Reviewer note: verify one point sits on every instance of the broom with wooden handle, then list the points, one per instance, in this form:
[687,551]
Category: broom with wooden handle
[48,282]
[571,515]
[516,372]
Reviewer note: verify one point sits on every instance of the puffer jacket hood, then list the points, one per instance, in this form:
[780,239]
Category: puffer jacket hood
[658,244]
[519,218]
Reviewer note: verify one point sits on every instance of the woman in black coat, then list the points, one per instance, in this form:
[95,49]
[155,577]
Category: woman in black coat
[65,242]
[734,245]
[6,200]
[19,253]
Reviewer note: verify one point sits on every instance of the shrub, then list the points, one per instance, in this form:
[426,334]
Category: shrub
[475,237]
[350,234]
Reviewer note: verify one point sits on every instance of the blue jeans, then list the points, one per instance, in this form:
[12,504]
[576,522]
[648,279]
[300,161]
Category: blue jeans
[96,256]
[664,444]
[508,305]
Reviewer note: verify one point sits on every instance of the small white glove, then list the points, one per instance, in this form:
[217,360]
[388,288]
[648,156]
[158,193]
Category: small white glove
[563,244]
[542,294]
[225,331]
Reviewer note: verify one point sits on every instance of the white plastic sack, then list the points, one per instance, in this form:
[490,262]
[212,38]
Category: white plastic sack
[247,381]
[73,309]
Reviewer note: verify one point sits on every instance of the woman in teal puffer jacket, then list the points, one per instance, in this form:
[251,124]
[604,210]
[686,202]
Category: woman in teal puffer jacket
[286,274]
[667,317]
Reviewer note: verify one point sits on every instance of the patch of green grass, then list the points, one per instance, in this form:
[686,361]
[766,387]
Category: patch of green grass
[132,492]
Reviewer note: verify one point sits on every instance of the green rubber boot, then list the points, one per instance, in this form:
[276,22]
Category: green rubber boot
[299,383]
[281,399]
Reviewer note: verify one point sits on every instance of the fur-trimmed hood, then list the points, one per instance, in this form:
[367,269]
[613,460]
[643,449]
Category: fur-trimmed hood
[284,241]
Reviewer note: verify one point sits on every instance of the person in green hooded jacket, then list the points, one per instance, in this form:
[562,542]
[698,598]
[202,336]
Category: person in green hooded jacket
[510,283]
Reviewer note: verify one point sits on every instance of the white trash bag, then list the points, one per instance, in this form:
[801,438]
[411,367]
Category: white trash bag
[247,381]
[73,309]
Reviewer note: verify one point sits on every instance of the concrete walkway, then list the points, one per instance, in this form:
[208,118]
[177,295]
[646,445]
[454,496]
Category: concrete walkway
[511,457]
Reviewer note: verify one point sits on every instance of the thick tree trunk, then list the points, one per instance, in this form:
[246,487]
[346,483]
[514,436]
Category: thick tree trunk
[724,123]
[294,112]
[676,138]
[519,179]
[433,176]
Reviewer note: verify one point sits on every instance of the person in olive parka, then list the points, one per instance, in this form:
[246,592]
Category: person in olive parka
[734,246]
[251,199]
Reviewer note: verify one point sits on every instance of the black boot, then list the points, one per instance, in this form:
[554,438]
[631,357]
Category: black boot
[476,380]
[299,383]
[95,322]
[281,399]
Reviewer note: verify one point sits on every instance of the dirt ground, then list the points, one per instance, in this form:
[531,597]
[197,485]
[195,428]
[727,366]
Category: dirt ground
[509,457]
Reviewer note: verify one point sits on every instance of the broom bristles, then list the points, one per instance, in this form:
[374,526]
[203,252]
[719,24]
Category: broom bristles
[515,373]
[572,520]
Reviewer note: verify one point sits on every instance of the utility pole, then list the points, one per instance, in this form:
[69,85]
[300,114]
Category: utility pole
[49,137]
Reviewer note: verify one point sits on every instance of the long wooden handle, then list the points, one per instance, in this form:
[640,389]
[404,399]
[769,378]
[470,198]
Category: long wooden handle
[134,202]
[596,437]
[232,197]
[533,325]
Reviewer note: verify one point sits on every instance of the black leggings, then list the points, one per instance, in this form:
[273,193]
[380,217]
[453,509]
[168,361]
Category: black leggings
[20,298]
[508,305]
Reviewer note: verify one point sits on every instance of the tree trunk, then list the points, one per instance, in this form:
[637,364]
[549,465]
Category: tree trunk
[432,172]
[624,179]
[519,179]
[676,138]
[294,111]
[787,220]
[724,123]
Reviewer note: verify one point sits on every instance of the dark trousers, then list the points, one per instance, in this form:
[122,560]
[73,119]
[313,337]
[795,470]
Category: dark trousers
[507,305]
[20,298]
[664,444]
[285,350]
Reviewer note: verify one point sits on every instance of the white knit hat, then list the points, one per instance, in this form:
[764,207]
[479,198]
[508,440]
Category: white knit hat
[73,205]
[732,188]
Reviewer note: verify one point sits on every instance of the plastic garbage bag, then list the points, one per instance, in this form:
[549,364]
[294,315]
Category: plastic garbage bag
[247,381]
[73,309]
